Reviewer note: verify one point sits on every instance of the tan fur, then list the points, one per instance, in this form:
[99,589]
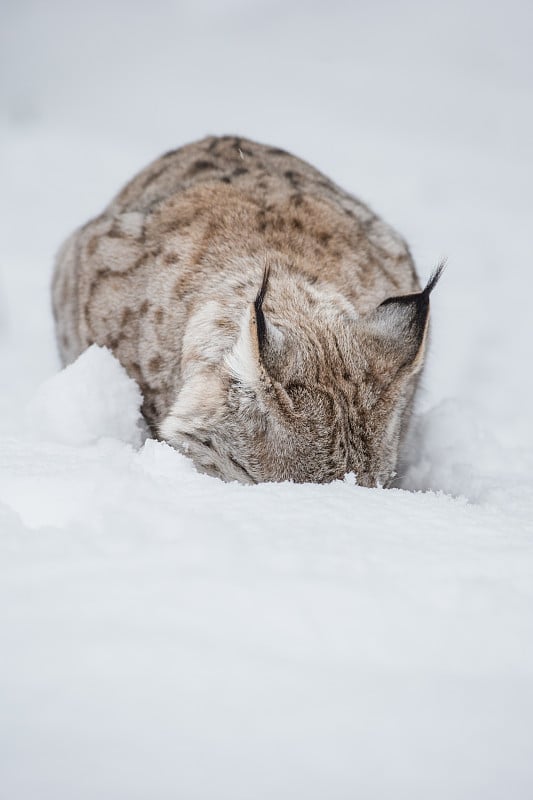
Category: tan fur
[167,275]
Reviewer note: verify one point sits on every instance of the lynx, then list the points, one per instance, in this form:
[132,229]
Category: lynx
[274,323]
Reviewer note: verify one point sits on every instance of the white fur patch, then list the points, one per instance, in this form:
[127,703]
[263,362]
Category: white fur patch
[131,223]
[197,405]
[242,361]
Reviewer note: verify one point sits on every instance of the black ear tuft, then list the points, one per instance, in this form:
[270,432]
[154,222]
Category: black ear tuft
[434,278]
[416,306]
[258,305]
[403,320]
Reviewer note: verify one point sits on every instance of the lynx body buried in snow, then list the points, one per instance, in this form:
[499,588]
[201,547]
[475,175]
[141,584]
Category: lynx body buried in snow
[274,323]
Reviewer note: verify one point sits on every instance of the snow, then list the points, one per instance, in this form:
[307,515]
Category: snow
[164,634]
[90,399]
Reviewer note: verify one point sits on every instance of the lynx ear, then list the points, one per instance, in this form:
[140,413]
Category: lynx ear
[401,324]
[246,361]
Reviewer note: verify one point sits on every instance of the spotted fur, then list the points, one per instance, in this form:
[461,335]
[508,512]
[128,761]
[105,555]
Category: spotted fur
[274,323]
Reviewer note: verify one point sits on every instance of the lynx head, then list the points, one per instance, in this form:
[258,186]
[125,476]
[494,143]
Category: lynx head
[308,399]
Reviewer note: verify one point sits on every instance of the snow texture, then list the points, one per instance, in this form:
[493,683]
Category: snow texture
[89,400]
[166,635]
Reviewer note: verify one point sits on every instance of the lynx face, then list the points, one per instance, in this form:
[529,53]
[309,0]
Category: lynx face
[307,405]
[307,379]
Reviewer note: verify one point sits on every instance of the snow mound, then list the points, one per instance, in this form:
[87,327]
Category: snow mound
[450,450]
[91,399]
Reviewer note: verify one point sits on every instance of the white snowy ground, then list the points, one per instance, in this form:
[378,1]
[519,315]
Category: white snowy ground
[164,635]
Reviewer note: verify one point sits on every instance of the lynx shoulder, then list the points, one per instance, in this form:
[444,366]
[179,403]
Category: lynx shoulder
[274,323]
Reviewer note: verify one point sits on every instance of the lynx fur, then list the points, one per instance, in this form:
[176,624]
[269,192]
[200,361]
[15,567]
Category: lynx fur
[274,323]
